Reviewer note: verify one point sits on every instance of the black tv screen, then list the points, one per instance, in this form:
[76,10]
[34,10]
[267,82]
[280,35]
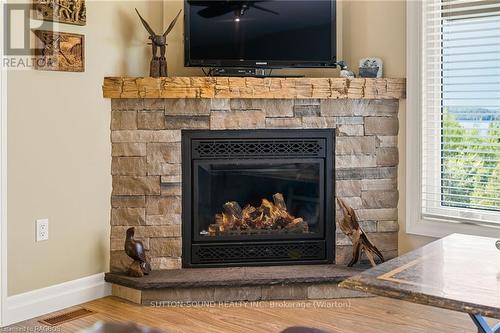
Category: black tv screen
[267,34]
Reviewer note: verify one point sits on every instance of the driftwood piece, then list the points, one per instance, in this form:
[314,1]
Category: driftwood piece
[360,242]
[268,217]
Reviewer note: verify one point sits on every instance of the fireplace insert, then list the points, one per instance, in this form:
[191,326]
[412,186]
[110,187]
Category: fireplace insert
[257,197]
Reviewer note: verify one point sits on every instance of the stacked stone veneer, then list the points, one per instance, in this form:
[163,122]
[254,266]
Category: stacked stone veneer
[146,163]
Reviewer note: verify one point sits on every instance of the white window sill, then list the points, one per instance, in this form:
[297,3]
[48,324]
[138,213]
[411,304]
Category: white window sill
[442,228]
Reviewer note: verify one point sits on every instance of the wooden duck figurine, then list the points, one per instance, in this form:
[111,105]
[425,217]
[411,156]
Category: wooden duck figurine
[360,242]
[135,250]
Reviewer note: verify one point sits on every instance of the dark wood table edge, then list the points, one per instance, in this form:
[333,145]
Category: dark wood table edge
[423,299]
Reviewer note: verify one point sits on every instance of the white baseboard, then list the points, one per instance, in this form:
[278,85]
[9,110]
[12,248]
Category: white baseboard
[54,298]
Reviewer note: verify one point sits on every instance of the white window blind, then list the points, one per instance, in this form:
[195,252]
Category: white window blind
[460,146]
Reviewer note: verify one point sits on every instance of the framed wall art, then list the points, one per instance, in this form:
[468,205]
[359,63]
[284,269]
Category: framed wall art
[59,51]
[64,11]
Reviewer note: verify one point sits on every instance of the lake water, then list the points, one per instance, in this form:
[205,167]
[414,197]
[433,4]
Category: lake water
[480,125]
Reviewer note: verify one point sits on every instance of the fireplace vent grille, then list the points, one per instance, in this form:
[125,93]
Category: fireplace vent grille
[262,252]
[258,148]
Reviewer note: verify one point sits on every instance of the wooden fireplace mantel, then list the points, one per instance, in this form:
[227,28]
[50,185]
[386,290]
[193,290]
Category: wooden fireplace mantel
[254,88]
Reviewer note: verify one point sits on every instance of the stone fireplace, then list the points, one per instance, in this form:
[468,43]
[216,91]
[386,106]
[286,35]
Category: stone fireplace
[257,197]
[148,118]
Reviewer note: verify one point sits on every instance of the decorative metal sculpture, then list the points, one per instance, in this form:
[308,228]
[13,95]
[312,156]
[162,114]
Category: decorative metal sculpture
[135,250]
[158,66]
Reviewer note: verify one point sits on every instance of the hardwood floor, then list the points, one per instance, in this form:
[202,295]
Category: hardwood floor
[372,315]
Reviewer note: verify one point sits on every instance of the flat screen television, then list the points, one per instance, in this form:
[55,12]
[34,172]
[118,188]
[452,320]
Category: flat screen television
[260,34]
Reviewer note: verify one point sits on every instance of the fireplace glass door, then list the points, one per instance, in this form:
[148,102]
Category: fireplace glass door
[257,199]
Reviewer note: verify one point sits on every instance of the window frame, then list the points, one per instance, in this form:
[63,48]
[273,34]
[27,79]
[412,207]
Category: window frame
[415,223]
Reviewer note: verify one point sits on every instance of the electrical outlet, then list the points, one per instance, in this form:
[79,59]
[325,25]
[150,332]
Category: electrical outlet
[42,230]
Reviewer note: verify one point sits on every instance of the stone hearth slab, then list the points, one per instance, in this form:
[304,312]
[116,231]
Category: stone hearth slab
[234,284]
[234,276]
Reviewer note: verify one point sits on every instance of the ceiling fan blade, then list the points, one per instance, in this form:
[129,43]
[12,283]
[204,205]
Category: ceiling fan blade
[264,9]
[204,3]
[214,11]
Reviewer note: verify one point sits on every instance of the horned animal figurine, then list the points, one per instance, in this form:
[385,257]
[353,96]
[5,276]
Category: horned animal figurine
[158,66]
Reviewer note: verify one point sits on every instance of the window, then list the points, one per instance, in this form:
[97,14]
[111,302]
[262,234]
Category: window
[459,106]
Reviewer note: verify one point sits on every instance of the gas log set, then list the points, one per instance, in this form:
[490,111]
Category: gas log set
[269,217]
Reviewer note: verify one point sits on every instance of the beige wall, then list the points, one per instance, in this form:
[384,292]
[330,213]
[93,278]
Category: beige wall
[378,28]
[59,153]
